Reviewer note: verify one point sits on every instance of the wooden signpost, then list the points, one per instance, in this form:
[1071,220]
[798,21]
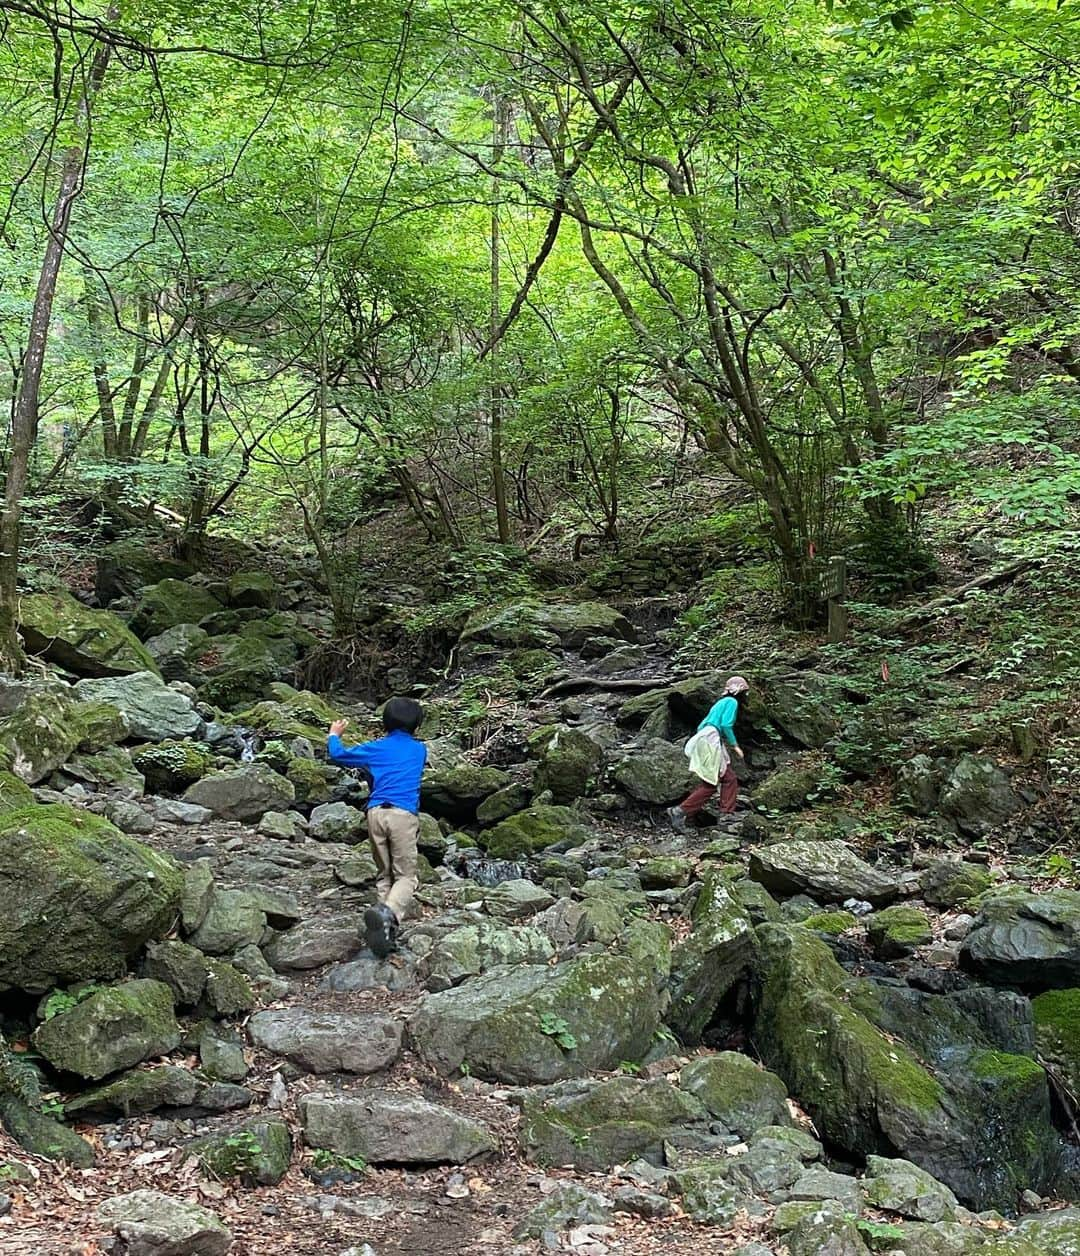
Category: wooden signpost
[833,590]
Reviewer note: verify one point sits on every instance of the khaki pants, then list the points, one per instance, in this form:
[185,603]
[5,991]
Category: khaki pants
[393,834]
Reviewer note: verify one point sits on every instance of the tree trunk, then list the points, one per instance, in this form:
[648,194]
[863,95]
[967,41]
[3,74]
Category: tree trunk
[500,123]
[24,425]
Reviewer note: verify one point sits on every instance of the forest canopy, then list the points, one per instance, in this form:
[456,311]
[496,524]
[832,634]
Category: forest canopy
[524,268]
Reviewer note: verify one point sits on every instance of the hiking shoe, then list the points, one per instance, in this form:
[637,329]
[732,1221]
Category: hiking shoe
[382,927]
[680,821]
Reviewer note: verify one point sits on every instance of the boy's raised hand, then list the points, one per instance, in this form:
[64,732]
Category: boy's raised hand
[338,727]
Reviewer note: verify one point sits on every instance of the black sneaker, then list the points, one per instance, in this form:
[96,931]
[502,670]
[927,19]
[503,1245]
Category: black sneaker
[382,927]
[680,821]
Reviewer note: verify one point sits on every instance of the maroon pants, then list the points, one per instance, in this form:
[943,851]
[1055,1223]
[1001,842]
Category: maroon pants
[728,786]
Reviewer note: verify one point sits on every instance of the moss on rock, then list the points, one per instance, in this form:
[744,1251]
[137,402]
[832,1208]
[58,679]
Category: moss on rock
[77,897]
[533,830]
[111,1029]
[171,766]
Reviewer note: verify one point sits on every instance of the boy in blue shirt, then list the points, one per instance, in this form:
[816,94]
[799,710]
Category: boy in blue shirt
[394,764]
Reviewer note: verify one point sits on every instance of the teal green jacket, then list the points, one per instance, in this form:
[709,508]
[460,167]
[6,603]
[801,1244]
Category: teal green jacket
[722,717]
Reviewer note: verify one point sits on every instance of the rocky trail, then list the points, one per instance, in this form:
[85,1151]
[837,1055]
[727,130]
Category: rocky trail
[603,1038]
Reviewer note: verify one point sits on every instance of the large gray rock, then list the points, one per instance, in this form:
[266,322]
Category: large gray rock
[83,641]
[568,1205]
[517,900]
[167,1086]
[570,762]
[43,725]
[42,1135]
[171,602]
[329,1042]
[714,956]
[474,948]
[529,831]
[947,1082]
[902,1187]
[176,650]
[231,919]
[244,793]
[111,1029]
[1025,939]
[336,822]
[528,622]
[737,1092]
[656,773]
[257,1152]
[977,795]
[149,1223]
[389,1127]
[918,784]
[315,942]
[596,1124]
[153,710]
[828,871]
[538,1024]
[454,786]
[77,897]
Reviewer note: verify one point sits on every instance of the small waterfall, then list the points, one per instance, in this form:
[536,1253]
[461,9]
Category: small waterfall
[249,743]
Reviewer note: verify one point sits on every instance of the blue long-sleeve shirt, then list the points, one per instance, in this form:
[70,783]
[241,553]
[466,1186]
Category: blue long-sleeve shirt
[395,762]
[722,717]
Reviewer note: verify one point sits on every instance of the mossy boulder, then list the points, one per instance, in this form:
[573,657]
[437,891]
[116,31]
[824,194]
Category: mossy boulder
[255,1153]
[311,780]
[891,1070]
[252,589]
[831,922]
[802,706]
[790,787]
[87,642]
[1057,1031]
[597,1124]
[232,919]
[666,872]
[977,795]
[743,1096]
[475,948]
[715,955]
[528,623]
[535,829]
[504,802]
[127,566]
[111,1029]
[899,930]
[171,602]
[953,883]
[228,992]
[171,766]
[42,732]
[454,787]
[533,1023]
[656,773]
[569,764]
[901,1187]
[289,713]
[14,793]
[237,670]
[177,650]
[181,967]
[77,897]
[42,1135]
